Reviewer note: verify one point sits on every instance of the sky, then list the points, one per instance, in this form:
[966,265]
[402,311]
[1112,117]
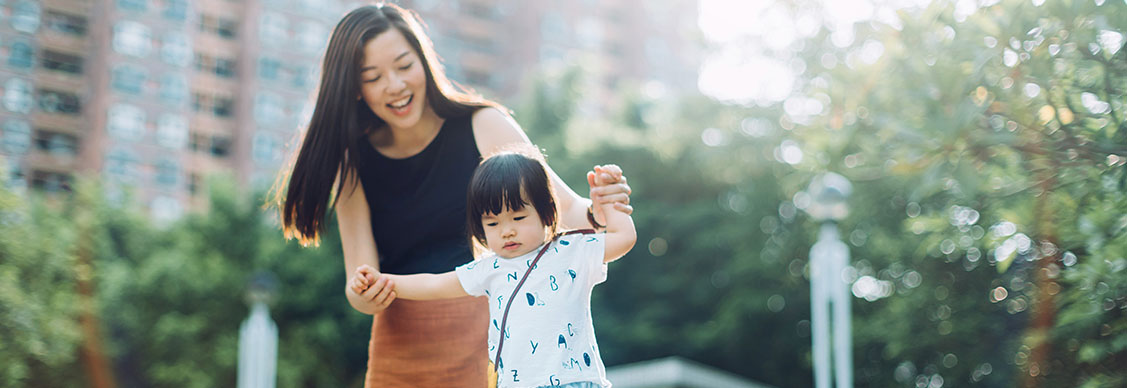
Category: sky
[754,40]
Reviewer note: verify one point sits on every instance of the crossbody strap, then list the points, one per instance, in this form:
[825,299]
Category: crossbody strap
[505,318]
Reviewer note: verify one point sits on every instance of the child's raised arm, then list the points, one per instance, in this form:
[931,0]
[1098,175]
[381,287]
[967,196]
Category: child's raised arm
[620,233]
[426,286]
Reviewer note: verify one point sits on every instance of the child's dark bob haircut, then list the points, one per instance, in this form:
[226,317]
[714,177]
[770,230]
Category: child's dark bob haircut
[498,183]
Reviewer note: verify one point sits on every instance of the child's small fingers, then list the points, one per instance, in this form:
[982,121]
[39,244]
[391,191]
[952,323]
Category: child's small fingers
[612,169]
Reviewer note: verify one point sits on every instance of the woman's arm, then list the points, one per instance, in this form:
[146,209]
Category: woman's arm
[354,222]
[493,130]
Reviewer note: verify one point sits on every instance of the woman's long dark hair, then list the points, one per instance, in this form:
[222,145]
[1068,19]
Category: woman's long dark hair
[339,120]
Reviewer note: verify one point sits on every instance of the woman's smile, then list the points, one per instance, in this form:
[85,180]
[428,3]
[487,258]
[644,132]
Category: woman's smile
[401,107]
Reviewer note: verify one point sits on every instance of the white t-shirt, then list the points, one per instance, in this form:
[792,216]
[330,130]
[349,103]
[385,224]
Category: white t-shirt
[549,336]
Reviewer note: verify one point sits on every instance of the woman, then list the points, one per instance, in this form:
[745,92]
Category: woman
[398,143]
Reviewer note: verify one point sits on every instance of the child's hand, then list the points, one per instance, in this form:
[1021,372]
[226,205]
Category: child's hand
[608,187]
[361,279]
[372,287]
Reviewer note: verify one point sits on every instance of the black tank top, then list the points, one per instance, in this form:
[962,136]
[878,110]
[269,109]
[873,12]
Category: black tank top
[418,204]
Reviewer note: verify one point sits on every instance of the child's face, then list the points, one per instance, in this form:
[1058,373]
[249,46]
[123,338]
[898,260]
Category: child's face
[514,233]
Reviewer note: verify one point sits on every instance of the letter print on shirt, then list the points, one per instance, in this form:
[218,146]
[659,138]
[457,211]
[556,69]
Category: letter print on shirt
[534,345]
[534,299]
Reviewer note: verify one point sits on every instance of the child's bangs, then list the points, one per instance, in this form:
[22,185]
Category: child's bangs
[496,193]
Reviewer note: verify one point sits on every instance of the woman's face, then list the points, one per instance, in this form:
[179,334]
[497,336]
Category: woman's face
[392,80]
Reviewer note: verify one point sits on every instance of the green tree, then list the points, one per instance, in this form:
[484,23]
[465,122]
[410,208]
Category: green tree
[39,302]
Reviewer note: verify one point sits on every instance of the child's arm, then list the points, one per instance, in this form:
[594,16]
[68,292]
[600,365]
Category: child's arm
[425,286]
[620,234]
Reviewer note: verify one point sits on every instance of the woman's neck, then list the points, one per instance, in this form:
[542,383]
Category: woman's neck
[401,142]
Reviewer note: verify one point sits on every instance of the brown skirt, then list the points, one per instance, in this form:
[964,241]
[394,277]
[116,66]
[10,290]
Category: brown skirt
[440,343]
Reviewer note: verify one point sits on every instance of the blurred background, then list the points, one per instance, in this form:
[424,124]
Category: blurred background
[985,141]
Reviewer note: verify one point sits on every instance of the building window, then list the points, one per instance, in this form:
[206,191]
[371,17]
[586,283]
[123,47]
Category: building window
[128,78]
[197,142]
[132,38]
[20,55]
[223,27]
[132,5]
[482,11]
[121,165]
[223,106]
[311,36]
[220,146]
[194,183]
[50,182]
[477,78]
[175,49]
[55,101]
[176,10]
[25,16]
[65,23]
[273,29]
[268,108]
[172,131]
[301,76]
[226,28]
[65,63]
[174,89]
[55,143]
[17,95]
[222,67]
[167,172]
[225,67]
[218,105]
[17,136]
[268,68]
[126,122]
[266,148]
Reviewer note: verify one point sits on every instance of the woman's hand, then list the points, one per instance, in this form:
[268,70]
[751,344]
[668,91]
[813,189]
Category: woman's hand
[377,292]
[608,186]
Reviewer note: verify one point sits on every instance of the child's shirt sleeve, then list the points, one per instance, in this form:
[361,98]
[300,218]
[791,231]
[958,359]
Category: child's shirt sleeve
[591,253]
[472,275]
